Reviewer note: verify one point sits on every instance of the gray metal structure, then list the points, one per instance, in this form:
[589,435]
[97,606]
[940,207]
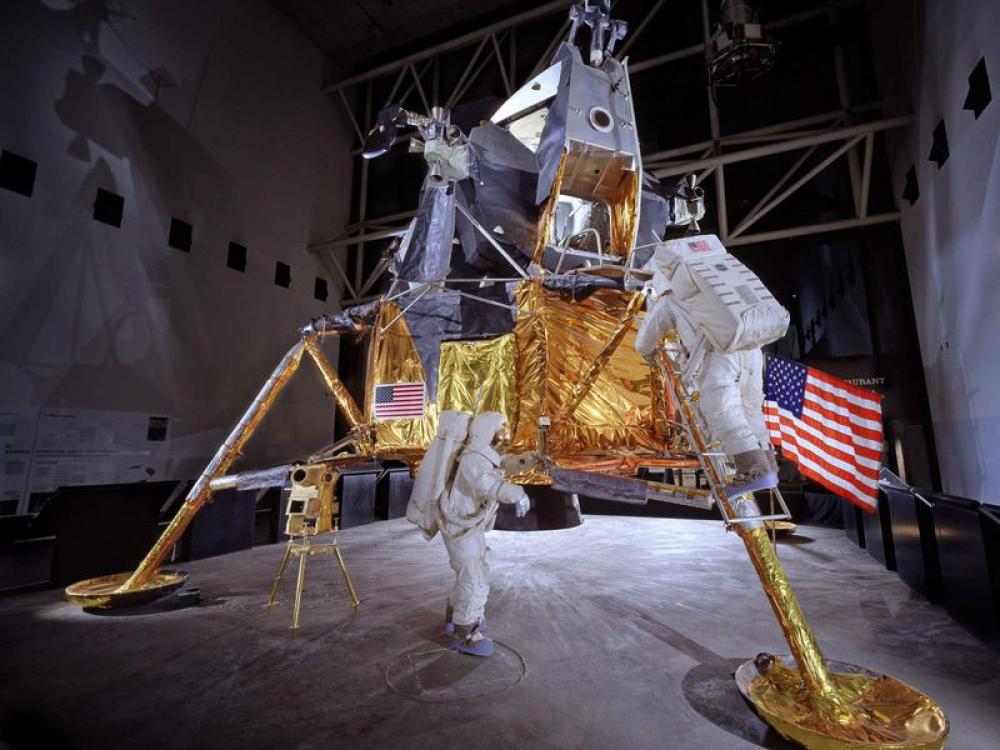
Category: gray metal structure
[846,131]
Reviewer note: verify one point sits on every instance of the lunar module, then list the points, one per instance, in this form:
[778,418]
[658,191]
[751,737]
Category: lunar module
[518,287]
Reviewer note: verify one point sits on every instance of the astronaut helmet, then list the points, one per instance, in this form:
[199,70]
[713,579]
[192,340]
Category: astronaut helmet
[490,428]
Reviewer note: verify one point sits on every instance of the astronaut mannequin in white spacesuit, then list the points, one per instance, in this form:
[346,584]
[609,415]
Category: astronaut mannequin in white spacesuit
[729,378]
[468,511]
[464,512]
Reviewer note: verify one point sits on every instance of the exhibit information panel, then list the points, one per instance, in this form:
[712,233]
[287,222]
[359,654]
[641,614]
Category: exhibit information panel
[46,448]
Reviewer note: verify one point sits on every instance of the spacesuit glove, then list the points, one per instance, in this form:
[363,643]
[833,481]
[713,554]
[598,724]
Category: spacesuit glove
[522,506]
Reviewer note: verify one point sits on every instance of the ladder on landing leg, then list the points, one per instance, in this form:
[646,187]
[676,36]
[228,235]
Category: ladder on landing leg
[712,462]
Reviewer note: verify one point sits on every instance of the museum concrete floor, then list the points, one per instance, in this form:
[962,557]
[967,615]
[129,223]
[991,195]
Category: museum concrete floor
[621,633]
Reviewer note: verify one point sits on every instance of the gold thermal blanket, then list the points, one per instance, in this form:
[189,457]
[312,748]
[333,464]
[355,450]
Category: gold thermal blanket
[394,359]
[556,341]
[482,371]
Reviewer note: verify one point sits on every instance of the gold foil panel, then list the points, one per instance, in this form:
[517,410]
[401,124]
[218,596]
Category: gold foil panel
[548,211]
[888,713]
[793,622]
[586,379]
[556,341]
[483,370]
[625,215]
[394,359]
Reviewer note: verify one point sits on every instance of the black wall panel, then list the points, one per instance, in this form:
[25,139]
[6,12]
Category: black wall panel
[400,486]
[915,543]
[965,561]
[357,499]
[224,525]
[102,529]
[854,525]
[878,534]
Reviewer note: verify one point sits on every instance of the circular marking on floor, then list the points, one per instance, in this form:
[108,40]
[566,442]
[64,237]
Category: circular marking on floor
[441,675]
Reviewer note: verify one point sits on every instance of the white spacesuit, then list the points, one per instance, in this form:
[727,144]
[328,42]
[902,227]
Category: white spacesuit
[708,296]
[466,513]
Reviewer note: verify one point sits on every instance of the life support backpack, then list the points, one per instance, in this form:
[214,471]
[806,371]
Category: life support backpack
[437,470]
[719,296]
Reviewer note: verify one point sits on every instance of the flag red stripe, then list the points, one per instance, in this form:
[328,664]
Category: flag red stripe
[843,438]
[807,448]
[866,479]
[847,457]
[865,484]
[789,424]
[832,482]
[831,477]
[844,410]
[869,506]
[866,428]
[862,393]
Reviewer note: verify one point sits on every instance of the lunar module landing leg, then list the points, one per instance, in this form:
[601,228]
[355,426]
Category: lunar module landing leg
[148,581]
[817,703]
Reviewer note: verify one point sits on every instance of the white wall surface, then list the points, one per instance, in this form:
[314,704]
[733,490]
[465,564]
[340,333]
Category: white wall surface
[240,143]
[925,53]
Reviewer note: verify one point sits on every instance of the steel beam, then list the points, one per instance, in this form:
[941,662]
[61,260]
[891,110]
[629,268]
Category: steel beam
[634,33]
[829,226]
[823,164]
[866,176]
[503,68]
[769,149]
[377,220]
[359,239]
[457,42]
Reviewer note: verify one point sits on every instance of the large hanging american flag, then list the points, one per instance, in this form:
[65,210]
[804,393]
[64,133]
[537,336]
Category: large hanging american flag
[830,428]
[399,400]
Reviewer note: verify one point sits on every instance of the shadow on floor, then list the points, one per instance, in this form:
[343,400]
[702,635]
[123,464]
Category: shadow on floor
[711,690]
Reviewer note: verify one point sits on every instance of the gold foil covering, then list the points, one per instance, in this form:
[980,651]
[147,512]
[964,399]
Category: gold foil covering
[545,219]
[887,713]
[229,451]
[586,379]
[556,341]
[478,370]
[105,591]
[531,373]
[625,215]
[792,620]
[334,385]
[394,359]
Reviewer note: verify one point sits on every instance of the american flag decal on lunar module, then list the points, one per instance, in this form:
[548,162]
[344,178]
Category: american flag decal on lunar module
[399,401]
[830,428]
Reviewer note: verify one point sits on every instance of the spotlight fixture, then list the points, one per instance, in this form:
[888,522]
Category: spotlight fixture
[740,49]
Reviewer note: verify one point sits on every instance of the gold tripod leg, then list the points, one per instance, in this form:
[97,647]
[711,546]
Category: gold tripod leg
[347,578]
[277,578]
[299,585]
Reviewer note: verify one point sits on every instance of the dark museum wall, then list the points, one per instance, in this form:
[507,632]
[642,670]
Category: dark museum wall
[946,173]
[129,342]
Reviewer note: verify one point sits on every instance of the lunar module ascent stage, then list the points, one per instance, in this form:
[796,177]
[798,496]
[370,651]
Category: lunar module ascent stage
[518,288]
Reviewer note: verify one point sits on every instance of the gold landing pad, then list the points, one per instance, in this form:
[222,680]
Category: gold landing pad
[891,715]
[102,593]
[781,528]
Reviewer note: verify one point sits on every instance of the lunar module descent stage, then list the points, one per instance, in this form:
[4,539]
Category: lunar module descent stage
[517,288]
